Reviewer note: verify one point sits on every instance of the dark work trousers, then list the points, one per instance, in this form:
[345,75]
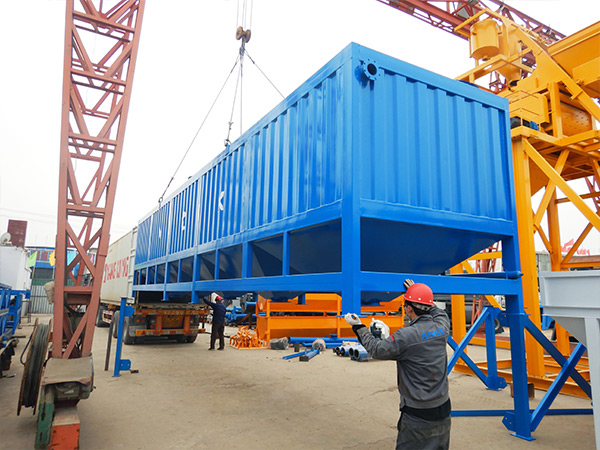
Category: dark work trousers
[418,434]
[217,330]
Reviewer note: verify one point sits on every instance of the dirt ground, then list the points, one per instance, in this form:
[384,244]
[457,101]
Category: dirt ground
[186,397]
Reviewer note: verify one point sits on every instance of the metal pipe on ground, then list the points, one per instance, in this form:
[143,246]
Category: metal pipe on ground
[359,353]
[330,342]
[343,350]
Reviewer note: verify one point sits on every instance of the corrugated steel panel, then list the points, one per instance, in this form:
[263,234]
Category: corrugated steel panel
[159,235]
[291,165]
[296,159]
[183,220]
[143,240]
[429,148]
[39,302]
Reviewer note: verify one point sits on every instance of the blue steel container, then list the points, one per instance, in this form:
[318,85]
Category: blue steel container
[371,171]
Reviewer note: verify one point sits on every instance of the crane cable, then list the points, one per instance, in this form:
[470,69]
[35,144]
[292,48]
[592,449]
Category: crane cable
[244,52]
[241,18]
[265,75]
[243,35]
[239,85]
[198,131]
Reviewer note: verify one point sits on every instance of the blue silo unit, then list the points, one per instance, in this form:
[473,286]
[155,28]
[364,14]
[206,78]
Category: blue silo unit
[371,171]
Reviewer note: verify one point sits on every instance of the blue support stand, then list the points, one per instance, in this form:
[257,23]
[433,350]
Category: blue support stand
[554,390]
[122,364]
[492,381]
[522,421]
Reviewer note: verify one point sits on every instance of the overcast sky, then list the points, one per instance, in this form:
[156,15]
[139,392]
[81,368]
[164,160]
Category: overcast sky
[187,49]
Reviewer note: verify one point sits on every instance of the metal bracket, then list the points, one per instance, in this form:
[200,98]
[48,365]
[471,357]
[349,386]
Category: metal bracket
[122,364]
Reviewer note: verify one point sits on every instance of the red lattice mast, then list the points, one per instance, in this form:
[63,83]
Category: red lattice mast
[101,42]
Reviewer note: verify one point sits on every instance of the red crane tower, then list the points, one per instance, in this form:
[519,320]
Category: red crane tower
[101,44]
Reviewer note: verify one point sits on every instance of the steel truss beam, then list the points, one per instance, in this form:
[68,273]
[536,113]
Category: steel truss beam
[101,45]
[556,143]
[448,15]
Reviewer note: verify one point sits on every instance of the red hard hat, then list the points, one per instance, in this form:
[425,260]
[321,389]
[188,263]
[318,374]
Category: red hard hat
[419,293]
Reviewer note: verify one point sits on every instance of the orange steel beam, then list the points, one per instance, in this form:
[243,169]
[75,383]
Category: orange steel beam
[101,43]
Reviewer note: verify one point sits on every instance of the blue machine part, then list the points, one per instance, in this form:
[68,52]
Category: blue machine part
[11,307]
[234,314]
[120,363]
[370,172]
[330,342]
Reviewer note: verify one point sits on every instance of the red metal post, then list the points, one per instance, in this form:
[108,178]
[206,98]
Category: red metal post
[101,42]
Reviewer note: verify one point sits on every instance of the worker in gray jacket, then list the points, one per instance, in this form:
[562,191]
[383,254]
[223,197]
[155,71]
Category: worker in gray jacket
[420,353]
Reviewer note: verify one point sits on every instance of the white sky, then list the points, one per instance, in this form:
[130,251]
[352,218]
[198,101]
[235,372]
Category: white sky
[187,48]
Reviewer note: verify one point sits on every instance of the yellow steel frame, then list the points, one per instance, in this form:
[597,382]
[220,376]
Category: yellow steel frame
[558,94]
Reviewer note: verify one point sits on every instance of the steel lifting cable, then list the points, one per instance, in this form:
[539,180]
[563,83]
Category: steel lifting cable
[244,37]
[244,52]
[237,85]
[198,131]
[241,19]
[267,78]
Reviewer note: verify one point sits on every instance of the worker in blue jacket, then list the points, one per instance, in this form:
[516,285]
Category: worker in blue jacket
[218,320]
[419,350]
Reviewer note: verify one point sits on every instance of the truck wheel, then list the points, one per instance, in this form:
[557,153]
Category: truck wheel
[115,320]
[180,339]
[497,327]
[191,339]
[127,340]
[99,322]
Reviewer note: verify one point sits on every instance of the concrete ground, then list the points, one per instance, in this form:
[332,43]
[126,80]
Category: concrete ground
[186,397]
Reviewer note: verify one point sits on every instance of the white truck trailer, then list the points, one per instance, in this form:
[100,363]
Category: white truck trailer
[178,321]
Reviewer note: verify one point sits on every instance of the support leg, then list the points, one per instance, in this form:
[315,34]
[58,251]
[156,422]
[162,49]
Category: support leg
[592,332]
[519,420]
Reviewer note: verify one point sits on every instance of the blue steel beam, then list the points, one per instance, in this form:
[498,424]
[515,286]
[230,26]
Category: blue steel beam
[409,214]
[441,284]
[330,282]
[558,356]
[122,364]
[519,420]
[503,412]
[556,386]
[492,380]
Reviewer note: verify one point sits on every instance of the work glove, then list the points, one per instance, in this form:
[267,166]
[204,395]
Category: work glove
[352,319]
[408,283]
[382,326]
